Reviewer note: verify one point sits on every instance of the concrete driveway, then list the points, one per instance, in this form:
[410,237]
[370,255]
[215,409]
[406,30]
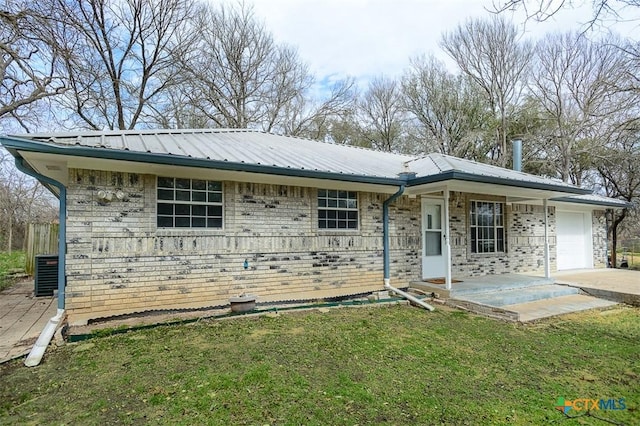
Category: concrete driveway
[618,285]
[22,318]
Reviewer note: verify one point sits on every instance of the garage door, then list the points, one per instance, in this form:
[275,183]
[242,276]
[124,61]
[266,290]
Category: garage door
[573,240]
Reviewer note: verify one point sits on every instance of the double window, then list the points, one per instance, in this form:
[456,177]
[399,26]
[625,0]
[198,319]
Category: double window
[337,209]
[189,203]
[487,227]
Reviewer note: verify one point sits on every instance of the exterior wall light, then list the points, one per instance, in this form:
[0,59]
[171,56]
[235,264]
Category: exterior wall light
[108,196]
[105,195]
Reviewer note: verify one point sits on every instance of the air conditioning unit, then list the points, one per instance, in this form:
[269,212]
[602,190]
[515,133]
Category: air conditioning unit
[46,278]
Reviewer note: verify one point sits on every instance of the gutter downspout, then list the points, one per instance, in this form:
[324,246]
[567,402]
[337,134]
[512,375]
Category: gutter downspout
[385,243]
[35,356]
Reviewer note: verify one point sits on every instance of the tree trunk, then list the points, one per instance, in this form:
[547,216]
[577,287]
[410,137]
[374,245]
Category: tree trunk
[617,220]
[10,239]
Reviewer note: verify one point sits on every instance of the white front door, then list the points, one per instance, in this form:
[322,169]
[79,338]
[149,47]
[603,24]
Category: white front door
[433,259]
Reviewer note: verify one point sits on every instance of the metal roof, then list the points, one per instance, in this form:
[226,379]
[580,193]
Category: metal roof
[260,152]
[594,199]
[239,146]
[433,164]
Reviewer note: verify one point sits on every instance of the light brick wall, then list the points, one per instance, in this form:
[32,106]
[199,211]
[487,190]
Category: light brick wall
[118,261]
[599,232]
[524,231]
[524,238]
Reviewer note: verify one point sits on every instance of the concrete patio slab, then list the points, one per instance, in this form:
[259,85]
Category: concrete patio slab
[518,295]
[22,318]
[483,284]
[524,298]
[618,285]
[559,305]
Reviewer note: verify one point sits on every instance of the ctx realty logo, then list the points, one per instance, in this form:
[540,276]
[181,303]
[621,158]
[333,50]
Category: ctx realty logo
[587,404]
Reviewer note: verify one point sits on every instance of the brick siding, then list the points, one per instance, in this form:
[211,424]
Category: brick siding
[119,262]
[524,236]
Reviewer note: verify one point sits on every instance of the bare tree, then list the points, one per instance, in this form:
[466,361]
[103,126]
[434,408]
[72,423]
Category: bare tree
[383,115]
[345,129]
[26,62]
[320,118]
[174,110]
[491,54]
[116,53]
[574,83]
[542,10]
[619,169]
[22,200]
[631,83]
[449,111]
[235,75]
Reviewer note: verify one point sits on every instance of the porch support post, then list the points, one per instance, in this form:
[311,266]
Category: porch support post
[547,261]
[447,242]
[385,234]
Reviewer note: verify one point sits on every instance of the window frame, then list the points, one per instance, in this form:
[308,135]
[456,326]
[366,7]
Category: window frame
[211,208]
[346,206]
[493,233]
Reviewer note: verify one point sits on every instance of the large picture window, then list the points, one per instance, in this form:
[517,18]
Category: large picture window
[189,203]
[337,209]
[487,227]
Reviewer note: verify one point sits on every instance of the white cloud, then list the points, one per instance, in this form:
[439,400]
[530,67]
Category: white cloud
[364,38]
[359,37]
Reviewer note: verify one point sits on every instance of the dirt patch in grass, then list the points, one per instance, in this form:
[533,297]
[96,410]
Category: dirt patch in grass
[393,365]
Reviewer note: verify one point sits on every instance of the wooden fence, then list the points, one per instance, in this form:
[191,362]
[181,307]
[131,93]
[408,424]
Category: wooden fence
[42,238]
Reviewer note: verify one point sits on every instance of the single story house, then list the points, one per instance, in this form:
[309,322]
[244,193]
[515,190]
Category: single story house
[182,219]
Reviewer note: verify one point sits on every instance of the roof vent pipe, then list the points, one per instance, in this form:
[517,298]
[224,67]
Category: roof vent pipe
[406,172]
[517,155]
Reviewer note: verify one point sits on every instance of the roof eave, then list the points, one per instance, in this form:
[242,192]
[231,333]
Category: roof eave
[14,145]
[470,177]
[619,205]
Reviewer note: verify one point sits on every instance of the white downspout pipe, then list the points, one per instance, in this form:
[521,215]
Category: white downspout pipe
[407,296]
[37,352]
[386,249]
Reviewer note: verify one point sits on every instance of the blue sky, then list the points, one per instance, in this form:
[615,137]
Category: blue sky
[365,38]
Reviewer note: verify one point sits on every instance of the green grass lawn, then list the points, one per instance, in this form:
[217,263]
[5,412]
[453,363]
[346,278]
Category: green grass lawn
[8,262]
[633,259]
[370,365]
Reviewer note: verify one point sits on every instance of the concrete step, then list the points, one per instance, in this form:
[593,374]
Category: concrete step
[504,282]
[501,298]
[545,308]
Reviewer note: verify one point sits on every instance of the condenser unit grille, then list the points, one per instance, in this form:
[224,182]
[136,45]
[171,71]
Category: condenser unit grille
[46,279]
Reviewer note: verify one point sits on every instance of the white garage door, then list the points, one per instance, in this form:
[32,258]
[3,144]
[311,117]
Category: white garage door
[573,240]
